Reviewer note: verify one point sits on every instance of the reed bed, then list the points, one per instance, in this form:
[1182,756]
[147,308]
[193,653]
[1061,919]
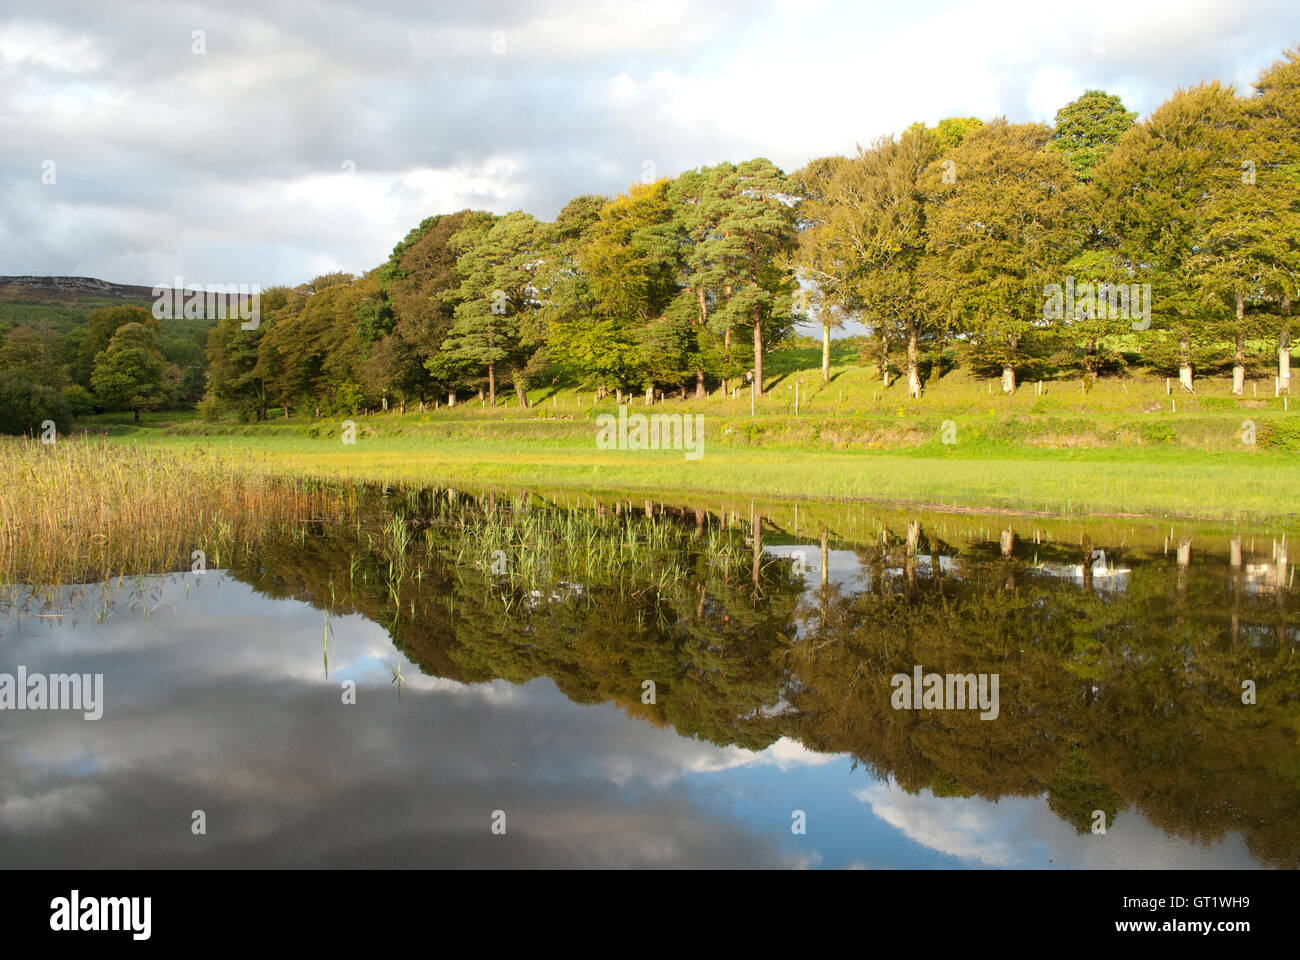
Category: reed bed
[86,510]
[542,548]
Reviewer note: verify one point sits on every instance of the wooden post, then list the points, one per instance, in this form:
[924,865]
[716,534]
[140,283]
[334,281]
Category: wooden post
[796,398]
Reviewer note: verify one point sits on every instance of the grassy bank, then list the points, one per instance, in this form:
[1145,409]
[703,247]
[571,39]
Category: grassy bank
[1160,482]
[1118,447]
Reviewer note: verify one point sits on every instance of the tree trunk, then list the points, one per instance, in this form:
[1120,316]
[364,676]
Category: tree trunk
[1239,354]
[758,353]
[649,393]
[826,353]
[521,391]
[1284,348]
[1284,360]
[913,359]
[492,385]
[700,392]
[137,415]
[1185,363]
[1008,368]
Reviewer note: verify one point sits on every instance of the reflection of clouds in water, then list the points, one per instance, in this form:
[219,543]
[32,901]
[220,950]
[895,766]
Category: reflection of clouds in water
[227,713]
[1023,831]
[845,570]
[784,754]
[219,702]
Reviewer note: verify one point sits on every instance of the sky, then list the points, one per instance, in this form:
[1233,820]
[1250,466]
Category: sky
[252,141]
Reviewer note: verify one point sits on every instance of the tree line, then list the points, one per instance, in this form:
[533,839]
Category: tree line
[1175,239]
[59,362]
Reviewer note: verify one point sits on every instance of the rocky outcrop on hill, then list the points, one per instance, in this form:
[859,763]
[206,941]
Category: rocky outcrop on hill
[61,288]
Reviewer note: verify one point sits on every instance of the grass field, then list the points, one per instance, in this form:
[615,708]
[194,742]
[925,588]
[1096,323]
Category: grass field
[1066,483]
[1122,447]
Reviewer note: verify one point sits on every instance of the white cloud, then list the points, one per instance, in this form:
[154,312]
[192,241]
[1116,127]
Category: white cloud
[224,165]
[1023,831]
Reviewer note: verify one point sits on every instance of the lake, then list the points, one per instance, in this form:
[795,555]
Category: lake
[441,678]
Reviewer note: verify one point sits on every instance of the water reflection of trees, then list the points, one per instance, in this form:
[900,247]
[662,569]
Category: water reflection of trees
[1109,697]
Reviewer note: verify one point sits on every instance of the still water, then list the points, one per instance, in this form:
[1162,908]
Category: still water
[440,679]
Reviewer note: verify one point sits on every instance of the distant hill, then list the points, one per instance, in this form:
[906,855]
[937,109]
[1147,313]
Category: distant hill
[69,290]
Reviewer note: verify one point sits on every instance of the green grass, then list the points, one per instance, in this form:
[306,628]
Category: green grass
[1122,447]
[1148,482]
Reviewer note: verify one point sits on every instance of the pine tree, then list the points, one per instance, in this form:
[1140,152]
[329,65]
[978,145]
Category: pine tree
[750,210]
[497,258]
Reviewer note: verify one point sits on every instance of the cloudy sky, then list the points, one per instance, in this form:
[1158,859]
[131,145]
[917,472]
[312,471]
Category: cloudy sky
[309,137]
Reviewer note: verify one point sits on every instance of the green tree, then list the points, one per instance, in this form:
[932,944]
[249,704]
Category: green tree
[420,281]
[630,262]
[951,131]
[101,325]
[497,259]
[1155,187]
[1087,129]
[32,350]
[1241,256]
[749,212]
[816,255]
[1273,118]
[235,379]
[868,238]
[26,404]
[128,374]
[582,343]
[1002,221]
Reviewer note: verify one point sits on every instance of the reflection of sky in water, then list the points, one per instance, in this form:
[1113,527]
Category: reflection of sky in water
[218,701]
